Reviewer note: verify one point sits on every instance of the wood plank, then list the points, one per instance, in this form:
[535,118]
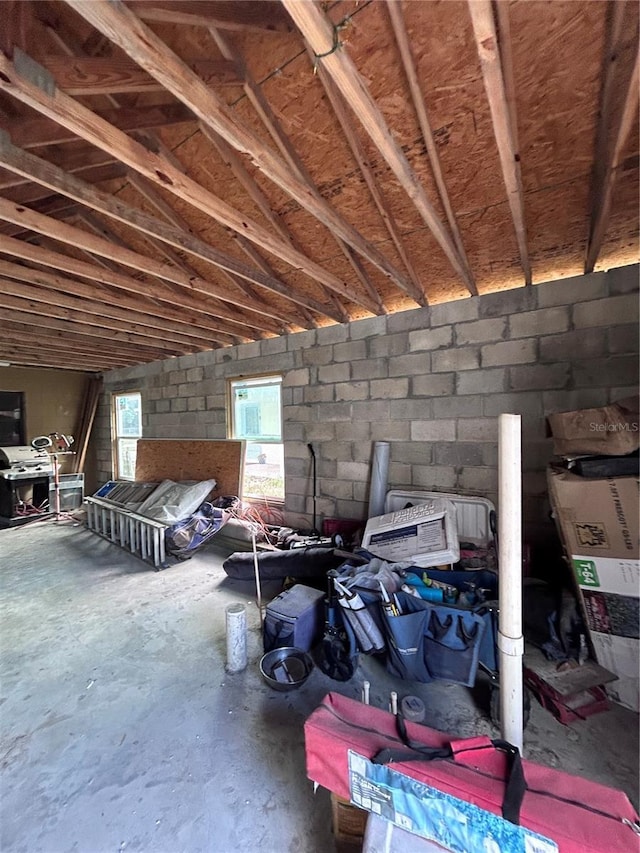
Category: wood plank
[30,193]
[21,357]
[69,293]
[610,142]
[51,206]
[249,16]
[86,124]
[41,132]
[136,39]
[91,75]
[23,298]
[159,459]
[56,353]
[76,163]
[484,28]
[53,178]
[78,238]
[65,263]
[394,9]
[319,33]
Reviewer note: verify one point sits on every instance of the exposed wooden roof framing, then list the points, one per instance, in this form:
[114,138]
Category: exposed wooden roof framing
[182,175]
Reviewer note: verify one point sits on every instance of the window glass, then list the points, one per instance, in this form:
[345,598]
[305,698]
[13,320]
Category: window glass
[256,417]
[127,419]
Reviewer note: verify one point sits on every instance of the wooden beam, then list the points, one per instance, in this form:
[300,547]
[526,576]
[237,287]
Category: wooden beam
[76,355]
[77,163]
[70,293]
[117,22]
[27,299]
[55,179]
[86,124]
[484,29]
[394,7]
[91,75]
[41,132]
[610,141]
[21,357]
[65,263]
[258,17]
[64,233]
[51,206]
[320,34]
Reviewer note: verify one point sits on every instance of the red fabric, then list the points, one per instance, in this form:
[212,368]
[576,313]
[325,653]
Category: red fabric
[580,816]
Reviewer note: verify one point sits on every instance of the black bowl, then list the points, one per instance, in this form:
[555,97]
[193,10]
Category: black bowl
[286,668]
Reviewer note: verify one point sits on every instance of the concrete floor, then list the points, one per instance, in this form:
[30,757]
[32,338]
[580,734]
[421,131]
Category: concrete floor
[121,731]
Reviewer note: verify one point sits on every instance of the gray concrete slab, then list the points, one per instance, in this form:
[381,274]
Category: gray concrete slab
[120,730]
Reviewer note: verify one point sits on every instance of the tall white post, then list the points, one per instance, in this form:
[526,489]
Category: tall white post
[510,639]
[236,619]
[379,478]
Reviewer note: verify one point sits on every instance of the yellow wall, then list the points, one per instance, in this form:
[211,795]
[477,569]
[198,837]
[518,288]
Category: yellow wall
[53,401]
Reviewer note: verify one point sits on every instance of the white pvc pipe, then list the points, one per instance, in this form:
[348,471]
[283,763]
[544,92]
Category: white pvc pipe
[379,478]
[236,618]
[510,639]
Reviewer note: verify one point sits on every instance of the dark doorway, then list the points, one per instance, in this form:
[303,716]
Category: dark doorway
[11,418]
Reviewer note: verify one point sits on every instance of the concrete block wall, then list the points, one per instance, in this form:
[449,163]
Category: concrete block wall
[431,381]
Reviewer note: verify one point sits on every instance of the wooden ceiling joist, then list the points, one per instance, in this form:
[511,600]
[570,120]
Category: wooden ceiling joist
[55,179]
[264,16]
[503,117]
[122,27]
[159,170]
[610,142]
[56,352]
[70,293]
[321,36]
[79,162]
[394,7]
[42,132]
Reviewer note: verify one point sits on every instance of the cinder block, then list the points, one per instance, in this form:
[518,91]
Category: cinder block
[338,489]
[351,351]
[433,430]
[195,374]
[196,404]
[457,453]
[480,331]
[509,352]
[186,361]
[334,334]
[163,406]
[293,432]
[620,370]
[568,291]
[508,302]
[546,321]
[466,358]
[392,431]
[352,391]
[479,481]
[433,385]
[334,373]
[302,340]
[318,355]
[400,474]
[458,407]
[407,321]
[412,452]
[539,377]
[176,377]
[570,401]
[300,414]
[351,509]
[354,430]
[623,339]
[623,279]
[271,346]
[397,344]
[491,381]
[429,339]
[409,365]
[296,377]
[388,389]
[573,345]
[178,404]
[358,471]
[418,409]
[370,369]
[319,394]
[478,429]
[336,412]
[216,401]
[372,411]
[430,478]
[459,311]
[367,328]
[338,451]
[614,311]
[516,404]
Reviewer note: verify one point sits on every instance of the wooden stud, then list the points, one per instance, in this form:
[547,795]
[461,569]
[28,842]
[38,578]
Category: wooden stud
[321,35]
[394,7]
[484,29]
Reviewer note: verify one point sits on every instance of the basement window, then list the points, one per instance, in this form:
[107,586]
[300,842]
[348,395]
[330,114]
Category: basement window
[256,417]
[127,429]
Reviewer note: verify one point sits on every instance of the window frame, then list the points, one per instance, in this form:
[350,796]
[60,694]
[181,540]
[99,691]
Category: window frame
[116,438]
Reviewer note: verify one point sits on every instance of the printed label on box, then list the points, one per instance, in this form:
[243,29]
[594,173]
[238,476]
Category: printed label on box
[459,826]
[608,574]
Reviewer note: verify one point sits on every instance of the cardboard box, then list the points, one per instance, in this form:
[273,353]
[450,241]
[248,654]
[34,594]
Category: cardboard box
[598,523]
[608,431]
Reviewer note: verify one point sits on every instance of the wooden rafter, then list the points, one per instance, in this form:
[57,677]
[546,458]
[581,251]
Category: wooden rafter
[80,162]
[394,8]
[610,141]
[108,76]
[78,356]
[320,35]
[130,34]
[86,124]
[265,16]
[55,179]
[503,116]
[58,289]
[32,193]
